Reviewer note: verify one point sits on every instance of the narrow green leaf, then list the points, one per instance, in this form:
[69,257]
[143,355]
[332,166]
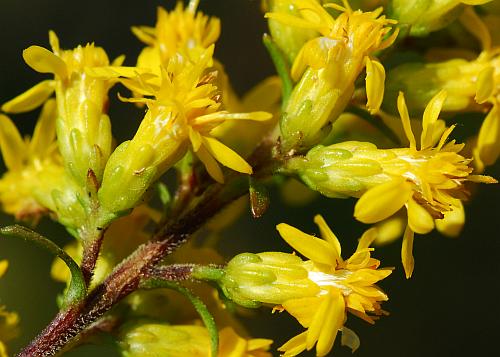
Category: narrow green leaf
[77,288]
[282,67]
[199,306]
[259,198]
[164,194]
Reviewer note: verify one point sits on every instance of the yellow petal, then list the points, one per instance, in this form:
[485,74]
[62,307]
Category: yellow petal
[11,143]
[222,116]
[54,42]
[405,119]
[390,229]
[333,321]
[211,165]
[485,84]
[452,223]
[295,345]
[109,72]
[431,115]
[407,252]
[375,79]
[45,129]
[419,219]
[264,95]
[195,138]
[318,321]
[31,99]
[4,264]
[327,234]
[310,247]
[225,155]
[488,141]
[382,201]
[303,309]
[367,238]
[44,61]
[476,26]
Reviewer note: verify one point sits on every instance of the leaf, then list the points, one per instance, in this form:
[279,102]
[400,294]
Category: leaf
[199,306]
[77,287]
[164,194]
[259,198]
[282,67]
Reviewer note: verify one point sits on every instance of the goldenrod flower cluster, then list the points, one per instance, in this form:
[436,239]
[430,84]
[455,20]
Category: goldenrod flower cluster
[327,119]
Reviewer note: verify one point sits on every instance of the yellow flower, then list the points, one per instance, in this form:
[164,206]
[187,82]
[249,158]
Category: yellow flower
[317,292]
[84,129]
[428,182]
[182,30]
[156,339]
[344,285]
[470,84]
[329,65]
[184,111]
[8,320]
[33,166]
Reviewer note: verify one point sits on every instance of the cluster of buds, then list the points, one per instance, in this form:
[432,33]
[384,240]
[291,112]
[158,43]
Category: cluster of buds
[317,121]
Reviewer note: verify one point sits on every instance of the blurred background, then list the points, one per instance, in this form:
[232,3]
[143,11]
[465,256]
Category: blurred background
[449,308]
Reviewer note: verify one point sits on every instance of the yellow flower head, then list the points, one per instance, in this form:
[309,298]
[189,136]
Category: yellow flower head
[317,291]
[155,339]
[428,181]
[353,35]
[471,84]
[84,130]
[8,320]
[33,166]
[328,66]
[183,108]
[345,285]
[182,30]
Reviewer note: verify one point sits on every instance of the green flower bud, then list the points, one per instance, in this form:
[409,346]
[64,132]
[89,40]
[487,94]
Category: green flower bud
[342,170]
[422,81]
[424,16]
[270,278]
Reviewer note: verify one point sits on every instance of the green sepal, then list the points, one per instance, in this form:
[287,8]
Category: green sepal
[282,67]
[199,306]
[77,289]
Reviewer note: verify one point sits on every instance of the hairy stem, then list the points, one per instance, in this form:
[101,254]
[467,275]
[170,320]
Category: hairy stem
[127,276]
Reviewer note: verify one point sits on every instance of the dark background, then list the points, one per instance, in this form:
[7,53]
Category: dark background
[449,308]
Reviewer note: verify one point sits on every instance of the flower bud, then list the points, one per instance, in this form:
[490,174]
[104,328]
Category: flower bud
[422,81]
[270,278]
[327,67]
[342,170]
[424,16]
[150,339]
[289,39]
